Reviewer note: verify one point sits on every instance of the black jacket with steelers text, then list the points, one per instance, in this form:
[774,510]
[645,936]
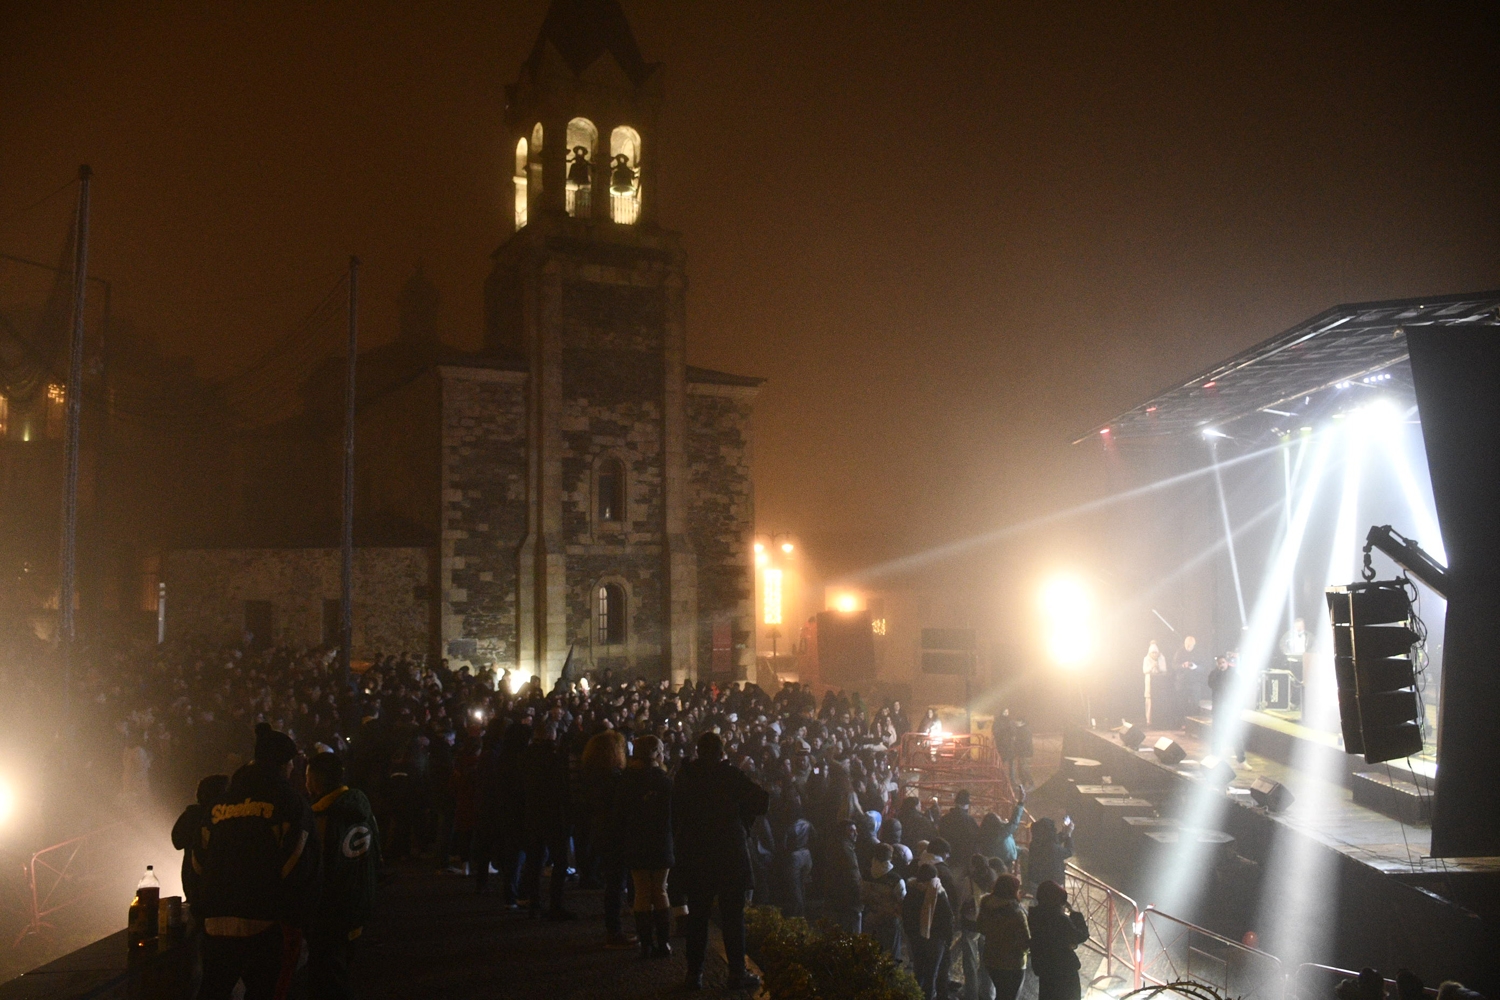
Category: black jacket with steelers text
[261,862]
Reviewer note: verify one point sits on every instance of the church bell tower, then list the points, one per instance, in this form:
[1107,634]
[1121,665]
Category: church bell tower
[590,292]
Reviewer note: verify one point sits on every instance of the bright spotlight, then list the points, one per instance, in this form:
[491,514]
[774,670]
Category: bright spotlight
[514,682]
[1380,416]
[760,547]
[761,559]
[1066,608]
[846,602]
[1213,432]
[478,714]
[787,547]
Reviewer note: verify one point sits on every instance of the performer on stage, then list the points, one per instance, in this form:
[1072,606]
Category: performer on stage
[1153,669]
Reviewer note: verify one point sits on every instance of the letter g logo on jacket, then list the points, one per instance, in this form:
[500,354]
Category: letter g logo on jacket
[356,842]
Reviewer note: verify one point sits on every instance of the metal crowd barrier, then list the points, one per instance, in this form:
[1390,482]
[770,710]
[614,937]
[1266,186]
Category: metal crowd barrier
[1112,918]
[1171,950]
[1312,981]
[62,875]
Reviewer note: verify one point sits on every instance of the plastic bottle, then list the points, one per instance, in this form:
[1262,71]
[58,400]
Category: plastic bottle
[143,910]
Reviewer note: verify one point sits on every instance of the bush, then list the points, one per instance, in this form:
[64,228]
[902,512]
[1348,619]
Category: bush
[827,963]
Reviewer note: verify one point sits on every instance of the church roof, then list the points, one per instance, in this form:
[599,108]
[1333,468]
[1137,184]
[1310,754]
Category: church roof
[583,30]
[707,376]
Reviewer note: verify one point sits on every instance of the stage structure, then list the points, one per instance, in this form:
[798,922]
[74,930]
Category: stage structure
[1385,398]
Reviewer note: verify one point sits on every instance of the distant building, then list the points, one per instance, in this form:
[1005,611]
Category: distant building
[576,485]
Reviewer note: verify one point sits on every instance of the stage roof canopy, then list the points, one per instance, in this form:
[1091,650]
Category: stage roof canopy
[1343,344]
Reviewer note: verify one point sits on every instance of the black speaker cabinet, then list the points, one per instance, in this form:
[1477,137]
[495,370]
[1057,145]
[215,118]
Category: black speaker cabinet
[1169,751]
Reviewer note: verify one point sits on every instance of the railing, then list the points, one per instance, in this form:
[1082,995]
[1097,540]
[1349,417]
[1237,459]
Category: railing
[1112,918]
[1170,950]
[1316,982]
[62,875]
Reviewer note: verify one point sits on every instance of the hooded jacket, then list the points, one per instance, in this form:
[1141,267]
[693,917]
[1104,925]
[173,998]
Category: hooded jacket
[350,846]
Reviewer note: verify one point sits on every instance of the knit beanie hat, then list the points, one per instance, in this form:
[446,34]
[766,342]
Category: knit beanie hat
[272,749]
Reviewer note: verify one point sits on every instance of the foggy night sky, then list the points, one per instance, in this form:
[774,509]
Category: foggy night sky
[951,235]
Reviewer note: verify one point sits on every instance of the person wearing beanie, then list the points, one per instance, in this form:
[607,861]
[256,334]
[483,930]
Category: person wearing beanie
[260,880]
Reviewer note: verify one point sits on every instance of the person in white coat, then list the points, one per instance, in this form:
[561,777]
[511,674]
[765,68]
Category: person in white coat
[1153,670]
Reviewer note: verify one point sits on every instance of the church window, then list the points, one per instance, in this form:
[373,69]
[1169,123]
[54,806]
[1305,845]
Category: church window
[610,491]
[610,615]
[582,138]
[521,182]
[625,175]
[56,412]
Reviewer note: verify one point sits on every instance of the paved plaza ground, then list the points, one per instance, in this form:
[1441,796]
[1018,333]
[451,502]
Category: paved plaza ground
[433,937]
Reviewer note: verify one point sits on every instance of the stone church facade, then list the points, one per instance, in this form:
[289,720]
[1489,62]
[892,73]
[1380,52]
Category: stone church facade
[585,490]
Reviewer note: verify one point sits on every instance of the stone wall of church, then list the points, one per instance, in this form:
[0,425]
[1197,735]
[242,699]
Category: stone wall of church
[483,512]
[612,322]
[721,519]
[208,591]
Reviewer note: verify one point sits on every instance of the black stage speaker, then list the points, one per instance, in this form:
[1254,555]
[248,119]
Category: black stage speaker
[1271,794]
[1169,751]
[846,647]
[1132,736]
[1379,710]
[1217,771]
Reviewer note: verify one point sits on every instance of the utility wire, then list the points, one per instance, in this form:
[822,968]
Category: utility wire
[38,203]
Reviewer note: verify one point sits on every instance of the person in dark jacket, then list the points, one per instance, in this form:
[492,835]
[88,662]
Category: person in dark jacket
[714,803]
[350,843]
[959,829]
[499,823]
[601,768]
[643,829]
[843,883]
[190,834]
[915,826]
[260,876]
[1048,851]
[1056,932]
[927,924]
[545,773]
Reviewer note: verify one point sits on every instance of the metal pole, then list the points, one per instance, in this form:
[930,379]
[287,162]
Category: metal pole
[66,627]
[346,598]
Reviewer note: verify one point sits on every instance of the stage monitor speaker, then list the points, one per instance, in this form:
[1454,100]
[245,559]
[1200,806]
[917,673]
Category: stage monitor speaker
[1379,710]
[1217,771]
[1169,751]
[1273,795]
[846,647]
[1132,736]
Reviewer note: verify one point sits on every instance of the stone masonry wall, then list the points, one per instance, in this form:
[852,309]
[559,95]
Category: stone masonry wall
[207,590]
[721,516]
[483,512]
[613,321]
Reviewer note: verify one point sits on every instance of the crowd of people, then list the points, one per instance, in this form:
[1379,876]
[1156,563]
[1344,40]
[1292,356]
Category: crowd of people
[674,800]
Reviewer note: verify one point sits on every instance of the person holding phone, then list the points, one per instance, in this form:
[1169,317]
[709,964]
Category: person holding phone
[1056,932]
[1049,851]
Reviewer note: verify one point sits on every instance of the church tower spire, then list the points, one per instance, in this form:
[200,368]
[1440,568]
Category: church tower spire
[578,116]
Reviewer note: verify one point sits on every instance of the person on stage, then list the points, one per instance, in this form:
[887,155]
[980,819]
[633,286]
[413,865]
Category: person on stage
[1153,670]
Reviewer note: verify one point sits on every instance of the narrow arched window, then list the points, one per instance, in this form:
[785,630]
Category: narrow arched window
[625,175]
[582,140]
[522,157]
[610,491]
[610,614]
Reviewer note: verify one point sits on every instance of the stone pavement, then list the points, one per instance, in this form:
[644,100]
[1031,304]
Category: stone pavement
[433,937]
